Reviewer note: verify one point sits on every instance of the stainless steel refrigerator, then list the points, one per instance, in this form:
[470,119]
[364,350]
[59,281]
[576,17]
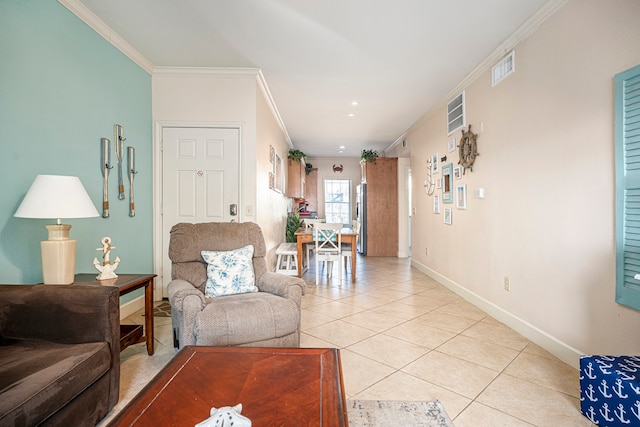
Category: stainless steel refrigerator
[361,217]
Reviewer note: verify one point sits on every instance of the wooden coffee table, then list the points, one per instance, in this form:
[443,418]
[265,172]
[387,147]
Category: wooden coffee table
[276,386]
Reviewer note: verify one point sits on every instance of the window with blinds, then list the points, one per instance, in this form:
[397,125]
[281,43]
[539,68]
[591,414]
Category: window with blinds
[627,139]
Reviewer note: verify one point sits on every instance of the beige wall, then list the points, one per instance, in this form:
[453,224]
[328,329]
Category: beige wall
[546,144]
[350,170]
[228,97]
[272,211]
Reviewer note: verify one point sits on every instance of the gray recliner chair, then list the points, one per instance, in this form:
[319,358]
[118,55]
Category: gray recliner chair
[268,318]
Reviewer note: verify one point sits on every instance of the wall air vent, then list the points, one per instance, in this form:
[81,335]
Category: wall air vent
[455,114]
[503,68]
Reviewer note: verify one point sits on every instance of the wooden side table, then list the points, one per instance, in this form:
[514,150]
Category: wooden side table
[126,283]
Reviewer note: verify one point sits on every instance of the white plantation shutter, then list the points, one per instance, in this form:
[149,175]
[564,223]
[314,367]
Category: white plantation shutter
[627,130]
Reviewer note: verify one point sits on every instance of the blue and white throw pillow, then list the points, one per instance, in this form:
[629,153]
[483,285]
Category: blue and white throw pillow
[229,272]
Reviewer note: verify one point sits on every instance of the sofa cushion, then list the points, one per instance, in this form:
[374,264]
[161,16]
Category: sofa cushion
[229,272]
[226,320]
[38,378]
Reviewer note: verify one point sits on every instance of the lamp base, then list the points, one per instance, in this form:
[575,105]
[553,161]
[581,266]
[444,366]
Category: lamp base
[58,256]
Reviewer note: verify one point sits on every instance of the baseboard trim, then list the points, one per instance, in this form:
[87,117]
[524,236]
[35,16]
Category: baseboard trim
[128,308]
[559,349]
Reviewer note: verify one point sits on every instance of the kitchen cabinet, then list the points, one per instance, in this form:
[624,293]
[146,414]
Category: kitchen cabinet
[311,190]
[296,179]
[382,207]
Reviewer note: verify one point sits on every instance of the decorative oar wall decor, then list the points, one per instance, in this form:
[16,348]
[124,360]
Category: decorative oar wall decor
[105,165]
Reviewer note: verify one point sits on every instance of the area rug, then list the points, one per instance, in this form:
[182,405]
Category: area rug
[373,413]
[162,310]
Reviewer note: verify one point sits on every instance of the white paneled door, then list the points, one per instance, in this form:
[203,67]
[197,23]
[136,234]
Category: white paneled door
[200,180]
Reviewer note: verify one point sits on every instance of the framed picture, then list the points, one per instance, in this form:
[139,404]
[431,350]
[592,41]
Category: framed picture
[447,185]
[272,154]
[435,165]
[278,173]
[436,204]
[447,216]
[451,145]
[457,172]
[461,196]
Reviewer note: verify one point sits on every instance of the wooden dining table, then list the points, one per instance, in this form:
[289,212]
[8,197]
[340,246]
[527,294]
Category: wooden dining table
[305,235]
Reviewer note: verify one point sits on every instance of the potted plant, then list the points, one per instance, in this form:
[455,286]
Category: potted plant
[296,155]
[293,223]
[308,167]
[368,156]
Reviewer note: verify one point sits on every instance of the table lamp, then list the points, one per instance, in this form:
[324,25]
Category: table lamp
[55,196]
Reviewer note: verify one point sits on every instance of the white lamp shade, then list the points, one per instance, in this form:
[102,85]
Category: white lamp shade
[55,196]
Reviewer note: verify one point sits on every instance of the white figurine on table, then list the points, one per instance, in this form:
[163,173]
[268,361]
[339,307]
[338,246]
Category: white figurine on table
[106,269]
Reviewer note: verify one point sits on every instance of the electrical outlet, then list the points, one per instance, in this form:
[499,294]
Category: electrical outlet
[507,283]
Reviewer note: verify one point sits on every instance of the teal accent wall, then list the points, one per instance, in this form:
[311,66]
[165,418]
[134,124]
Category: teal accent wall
[62,88]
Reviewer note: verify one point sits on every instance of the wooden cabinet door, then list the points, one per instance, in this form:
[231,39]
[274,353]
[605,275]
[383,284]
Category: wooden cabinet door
[296,180]
[382,207]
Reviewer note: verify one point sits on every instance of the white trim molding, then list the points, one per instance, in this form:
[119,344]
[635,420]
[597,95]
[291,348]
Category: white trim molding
[100,27]
[561,350]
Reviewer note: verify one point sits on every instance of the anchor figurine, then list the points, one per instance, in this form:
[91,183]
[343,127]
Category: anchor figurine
[106,268]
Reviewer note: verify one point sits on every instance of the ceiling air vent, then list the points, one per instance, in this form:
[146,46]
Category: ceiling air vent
[455,114]
[503,68]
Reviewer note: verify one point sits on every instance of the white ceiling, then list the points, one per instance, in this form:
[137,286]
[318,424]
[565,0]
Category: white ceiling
[397,58]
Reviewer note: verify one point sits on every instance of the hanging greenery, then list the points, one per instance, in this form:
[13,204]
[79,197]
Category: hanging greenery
[296,155]
[369,155]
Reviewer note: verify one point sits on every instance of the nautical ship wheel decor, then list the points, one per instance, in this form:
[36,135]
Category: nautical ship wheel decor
[468,150]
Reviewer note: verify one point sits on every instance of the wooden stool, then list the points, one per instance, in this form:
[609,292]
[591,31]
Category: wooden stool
[287,261]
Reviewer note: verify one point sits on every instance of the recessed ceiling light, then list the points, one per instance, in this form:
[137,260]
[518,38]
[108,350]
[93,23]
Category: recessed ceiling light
[342,147]
[354,103]
[351,115]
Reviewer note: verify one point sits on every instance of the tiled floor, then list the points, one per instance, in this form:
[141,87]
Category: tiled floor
[403,336]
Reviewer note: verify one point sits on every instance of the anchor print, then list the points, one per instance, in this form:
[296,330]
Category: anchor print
[605,413]
[608,358]
[627,367]
[590,393]
[589,371]
[632,362]
[619,389]
[592,415]
[635,409]
[604,367]
[635,388]
[603,390]
[620,412]
[624,376]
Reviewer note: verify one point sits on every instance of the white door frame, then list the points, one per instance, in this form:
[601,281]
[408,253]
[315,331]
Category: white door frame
[156,154]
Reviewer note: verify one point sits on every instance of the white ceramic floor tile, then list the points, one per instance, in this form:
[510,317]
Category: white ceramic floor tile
[404,336]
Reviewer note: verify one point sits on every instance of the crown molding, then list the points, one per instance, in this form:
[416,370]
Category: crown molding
[100,27]
[530,26]
[229,72]
[170,71]
[262,83]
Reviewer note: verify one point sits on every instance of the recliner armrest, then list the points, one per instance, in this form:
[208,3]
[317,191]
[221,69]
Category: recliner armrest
[179,289]
[282,285]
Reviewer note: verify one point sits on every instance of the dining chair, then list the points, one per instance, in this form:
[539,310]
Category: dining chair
[346,247]
[328,246]
[309,223]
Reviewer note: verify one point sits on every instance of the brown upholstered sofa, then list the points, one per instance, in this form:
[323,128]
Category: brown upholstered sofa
[268,318]
[59,354]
